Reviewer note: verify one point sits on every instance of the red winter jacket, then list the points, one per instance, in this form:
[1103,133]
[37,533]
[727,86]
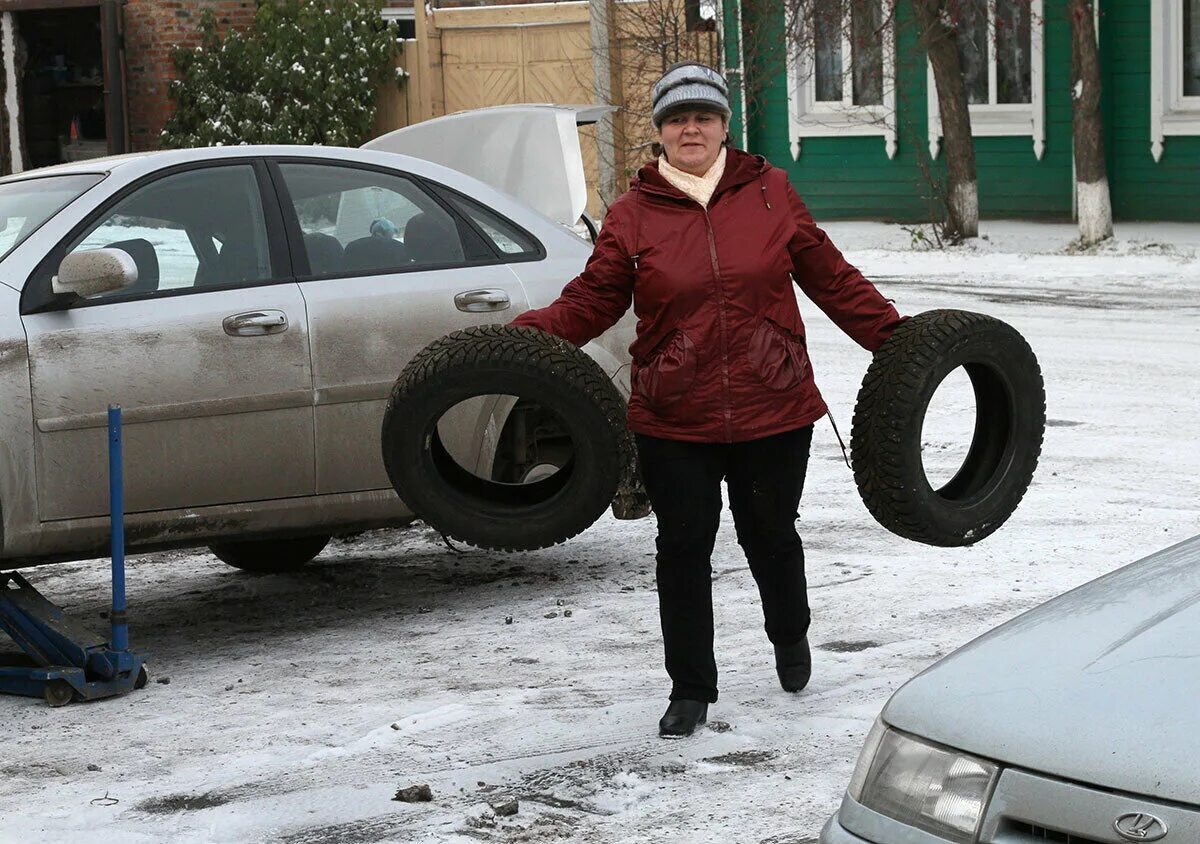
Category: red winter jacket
[720,354]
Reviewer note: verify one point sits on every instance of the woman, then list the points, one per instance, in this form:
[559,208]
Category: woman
[706,244]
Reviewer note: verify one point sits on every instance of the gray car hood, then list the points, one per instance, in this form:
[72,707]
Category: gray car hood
[1100,685]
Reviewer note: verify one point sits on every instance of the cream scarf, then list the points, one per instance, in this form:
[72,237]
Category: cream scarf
[699,188]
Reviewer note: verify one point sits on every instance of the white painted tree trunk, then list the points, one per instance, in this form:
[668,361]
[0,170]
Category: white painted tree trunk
[1095,212]
[964,207]
[962,194]
[1092,200]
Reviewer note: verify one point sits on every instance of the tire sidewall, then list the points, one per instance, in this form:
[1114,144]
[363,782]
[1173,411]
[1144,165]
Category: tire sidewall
[911,367]
[985,510]
[410,425]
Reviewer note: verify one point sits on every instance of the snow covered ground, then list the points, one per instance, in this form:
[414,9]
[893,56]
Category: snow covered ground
[298,705]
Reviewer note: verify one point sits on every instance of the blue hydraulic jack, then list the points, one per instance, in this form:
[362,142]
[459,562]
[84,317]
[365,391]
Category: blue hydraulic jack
[64,660]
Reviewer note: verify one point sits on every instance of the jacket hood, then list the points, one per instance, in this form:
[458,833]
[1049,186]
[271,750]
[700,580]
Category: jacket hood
[1097,686]
[740,167]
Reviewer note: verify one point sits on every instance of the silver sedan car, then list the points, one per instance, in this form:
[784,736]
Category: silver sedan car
[249,308]
[1073,723]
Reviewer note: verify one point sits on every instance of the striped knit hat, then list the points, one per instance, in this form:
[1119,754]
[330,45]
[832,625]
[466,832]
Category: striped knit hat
[689,85]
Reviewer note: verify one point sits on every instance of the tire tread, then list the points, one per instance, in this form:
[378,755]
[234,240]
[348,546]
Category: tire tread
[886,420]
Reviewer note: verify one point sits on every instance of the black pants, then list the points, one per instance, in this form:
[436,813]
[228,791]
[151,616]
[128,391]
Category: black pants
[765,479]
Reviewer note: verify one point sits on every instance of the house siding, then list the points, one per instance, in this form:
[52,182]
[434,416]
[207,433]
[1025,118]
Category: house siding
[1142,189]
[852,177]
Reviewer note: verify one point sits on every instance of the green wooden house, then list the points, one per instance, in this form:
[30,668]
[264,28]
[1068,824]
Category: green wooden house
[851,110]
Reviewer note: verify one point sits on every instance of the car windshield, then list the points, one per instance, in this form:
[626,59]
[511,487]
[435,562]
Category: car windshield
[26,204]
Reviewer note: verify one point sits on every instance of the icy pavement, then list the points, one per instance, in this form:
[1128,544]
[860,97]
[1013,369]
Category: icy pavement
[298,705]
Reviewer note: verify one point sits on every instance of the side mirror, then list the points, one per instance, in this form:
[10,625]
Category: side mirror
[95,271]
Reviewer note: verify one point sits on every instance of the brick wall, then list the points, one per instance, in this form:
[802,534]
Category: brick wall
[152,28]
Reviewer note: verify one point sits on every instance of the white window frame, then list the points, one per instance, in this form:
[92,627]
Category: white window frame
[1171,113]
[1002,120]
[810,118]
[398,13]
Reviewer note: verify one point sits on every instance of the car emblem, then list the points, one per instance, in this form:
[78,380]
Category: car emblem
[1138,826]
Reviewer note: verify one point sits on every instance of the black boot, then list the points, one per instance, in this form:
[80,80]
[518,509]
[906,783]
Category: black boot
[793,664]
[682,717]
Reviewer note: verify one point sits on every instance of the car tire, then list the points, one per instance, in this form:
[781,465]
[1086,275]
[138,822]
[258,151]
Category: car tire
[505,360]
[1010,421]
[270,556]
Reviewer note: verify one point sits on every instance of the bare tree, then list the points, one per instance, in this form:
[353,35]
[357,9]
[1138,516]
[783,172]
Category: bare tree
[1091,175]
[600,28]
[834,34]
[938,21]
[643,40]
[824,30]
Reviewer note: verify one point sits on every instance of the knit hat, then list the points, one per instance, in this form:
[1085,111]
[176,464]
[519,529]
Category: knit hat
[383,227]
[689,84]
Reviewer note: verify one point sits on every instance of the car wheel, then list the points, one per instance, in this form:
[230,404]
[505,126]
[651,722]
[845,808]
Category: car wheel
[531,511]
[1010,420]
[270,556]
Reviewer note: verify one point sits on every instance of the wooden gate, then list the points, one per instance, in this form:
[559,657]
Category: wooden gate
[502,55]
[464,58]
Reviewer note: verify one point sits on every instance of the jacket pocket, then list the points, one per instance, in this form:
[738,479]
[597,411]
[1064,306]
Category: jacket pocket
[777,355]
[668,373]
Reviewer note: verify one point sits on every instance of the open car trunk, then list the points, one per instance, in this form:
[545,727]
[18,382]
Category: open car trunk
[529,151]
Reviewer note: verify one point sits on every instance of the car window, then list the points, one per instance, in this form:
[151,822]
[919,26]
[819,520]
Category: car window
[26,204]
[197,228]
[361,222]
[174,257]
[504,235]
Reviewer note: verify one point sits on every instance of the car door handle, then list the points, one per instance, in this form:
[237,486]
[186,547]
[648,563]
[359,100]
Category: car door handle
[255,323]
[479,301]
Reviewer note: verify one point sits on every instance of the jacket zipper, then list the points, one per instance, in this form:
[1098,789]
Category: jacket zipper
[727,409]
[712,254]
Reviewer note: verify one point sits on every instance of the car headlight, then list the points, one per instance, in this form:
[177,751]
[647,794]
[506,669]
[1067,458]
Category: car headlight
[942,792]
